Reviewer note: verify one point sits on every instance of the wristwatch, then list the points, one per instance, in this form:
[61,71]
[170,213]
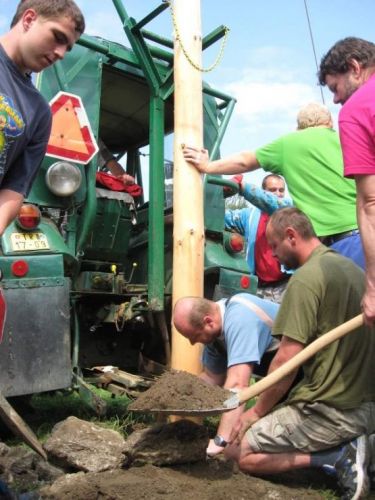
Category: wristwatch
[220,441]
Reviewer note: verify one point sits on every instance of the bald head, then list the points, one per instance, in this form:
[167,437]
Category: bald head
[197,319]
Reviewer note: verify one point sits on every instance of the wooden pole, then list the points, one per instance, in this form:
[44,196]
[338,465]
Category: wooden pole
[188,238]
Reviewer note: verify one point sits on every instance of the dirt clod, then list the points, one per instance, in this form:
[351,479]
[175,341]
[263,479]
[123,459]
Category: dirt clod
[167,444]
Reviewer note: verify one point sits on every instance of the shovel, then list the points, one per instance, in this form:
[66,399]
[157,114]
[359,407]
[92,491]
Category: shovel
[19,427]
[293,363]
[254,390]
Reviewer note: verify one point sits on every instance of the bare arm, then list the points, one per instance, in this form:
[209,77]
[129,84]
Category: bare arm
[269,398]
[288,349]
[238,377]
[366,220]
[212,378]
[238,163]
[10,204]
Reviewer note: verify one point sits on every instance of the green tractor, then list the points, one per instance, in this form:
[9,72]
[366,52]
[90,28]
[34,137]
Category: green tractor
[86,270]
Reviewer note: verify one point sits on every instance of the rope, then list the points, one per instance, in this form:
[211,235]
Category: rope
[185,52]
[313,45]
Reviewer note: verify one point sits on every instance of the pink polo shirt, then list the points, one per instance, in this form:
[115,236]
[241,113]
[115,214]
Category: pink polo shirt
[357,131]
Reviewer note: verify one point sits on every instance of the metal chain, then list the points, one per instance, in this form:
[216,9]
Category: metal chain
[178,37]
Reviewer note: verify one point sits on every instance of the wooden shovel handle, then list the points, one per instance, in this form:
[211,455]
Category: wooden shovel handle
[300,358]
[19,427]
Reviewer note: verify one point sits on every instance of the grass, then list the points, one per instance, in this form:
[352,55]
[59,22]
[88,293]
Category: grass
[328,494]
[44,411]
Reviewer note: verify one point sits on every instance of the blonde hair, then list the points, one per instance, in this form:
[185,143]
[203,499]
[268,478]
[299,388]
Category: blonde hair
[313,114]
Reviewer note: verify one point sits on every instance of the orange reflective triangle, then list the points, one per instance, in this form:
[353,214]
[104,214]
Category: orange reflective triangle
[66,131]
[71,135]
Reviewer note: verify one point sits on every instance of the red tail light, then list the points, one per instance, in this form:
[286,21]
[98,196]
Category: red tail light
[245,282]
[236,243]
[20,268]
[28,217]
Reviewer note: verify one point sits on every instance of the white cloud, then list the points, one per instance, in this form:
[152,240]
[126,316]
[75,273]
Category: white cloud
[259,98]
[269,93]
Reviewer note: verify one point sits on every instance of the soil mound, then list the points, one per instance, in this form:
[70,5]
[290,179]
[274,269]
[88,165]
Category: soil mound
[178,390]
[204,481]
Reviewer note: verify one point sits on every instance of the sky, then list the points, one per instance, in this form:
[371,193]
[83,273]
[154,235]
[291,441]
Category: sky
[268,63]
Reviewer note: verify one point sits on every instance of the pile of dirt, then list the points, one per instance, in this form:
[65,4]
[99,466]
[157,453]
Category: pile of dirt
[162,445]
[213,480]
[178,390]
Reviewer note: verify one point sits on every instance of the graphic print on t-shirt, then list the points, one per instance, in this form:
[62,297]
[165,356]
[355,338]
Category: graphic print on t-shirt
[12,125]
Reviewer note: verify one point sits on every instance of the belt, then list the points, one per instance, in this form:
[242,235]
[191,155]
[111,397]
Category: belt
[333,238]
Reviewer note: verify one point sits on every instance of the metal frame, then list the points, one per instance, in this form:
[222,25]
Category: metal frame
[160,80]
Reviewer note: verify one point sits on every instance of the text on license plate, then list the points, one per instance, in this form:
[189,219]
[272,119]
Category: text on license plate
[28,241]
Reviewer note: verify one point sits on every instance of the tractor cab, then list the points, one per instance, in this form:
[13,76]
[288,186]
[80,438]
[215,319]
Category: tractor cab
[87,280]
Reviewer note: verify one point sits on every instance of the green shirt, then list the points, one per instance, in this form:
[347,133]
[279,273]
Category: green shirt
[311,162]
[322,294]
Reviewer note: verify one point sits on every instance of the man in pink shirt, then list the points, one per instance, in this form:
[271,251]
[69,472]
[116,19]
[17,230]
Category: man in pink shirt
[348,70]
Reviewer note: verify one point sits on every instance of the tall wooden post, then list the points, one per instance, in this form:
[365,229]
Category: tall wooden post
[188,246]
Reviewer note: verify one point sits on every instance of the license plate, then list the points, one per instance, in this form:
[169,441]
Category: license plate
[22,242]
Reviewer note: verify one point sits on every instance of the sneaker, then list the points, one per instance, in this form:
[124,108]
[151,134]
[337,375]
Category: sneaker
[351,469]
[371,467]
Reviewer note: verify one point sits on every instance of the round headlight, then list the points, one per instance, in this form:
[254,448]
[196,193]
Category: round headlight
[63,178]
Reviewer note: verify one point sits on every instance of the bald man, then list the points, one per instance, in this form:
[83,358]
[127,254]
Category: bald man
[236,333]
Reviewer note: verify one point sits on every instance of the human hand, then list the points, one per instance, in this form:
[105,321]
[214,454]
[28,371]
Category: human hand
[213,449]
[246,420]
[197,157]
[126,179]
[237,179]
[368,305]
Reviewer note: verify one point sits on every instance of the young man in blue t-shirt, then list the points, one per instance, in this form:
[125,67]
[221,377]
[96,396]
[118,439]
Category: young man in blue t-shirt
[40,34]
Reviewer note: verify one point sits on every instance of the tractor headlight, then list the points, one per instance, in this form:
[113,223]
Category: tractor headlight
[63,178]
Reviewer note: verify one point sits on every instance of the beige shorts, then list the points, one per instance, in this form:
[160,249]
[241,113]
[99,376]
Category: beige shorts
[309,427]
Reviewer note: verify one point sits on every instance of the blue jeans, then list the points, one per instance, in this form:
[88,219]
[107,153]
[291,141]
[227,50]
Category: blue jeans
[351,247]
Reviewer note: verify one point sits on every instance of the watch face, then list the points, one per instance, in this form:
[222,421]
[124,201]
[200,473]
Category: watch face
[219,441]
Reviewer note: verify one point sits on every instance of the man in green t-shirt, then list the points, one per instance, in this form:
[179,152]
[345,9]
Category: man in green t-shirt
[328,415]
[310,160]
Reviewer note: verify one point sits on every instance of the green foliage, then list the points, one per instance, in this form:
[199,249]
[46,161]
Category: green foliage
[44,411]
[328,495]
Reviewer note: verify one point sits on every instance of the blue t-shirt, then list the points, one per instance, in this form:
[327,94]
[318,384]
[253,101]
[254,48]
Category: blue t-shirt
[245,337]
[25,123]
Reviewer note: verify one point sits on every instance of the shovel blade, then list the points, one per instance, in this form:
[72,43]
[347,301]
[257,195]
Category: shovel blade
[232,402]
[206,412]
